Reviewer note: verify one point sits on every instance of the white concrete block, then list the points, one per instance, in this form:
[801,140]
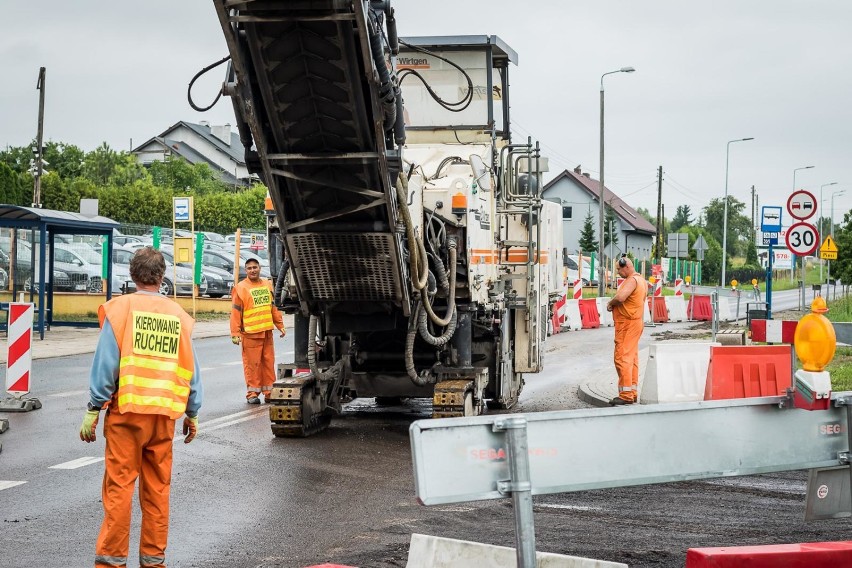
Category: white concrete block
[604,315]
[676,307]
[437,552]
[676,372]
[571,319]
[646,313]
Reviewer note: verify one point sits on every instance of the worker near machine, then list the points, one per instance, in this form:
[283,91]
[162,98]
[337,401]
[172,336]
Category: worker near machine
[145,373]
[253,318]
[627,310]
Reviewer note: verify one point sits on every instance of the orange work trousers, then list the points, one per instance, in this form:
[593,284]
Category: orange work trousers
[258,362]
[137,446]
[626,357]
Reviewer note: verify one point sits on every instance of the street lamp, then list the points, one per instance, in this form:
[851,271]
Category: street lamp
[819,220]
[602,201]
[841,192]
[794,175]
[725,214]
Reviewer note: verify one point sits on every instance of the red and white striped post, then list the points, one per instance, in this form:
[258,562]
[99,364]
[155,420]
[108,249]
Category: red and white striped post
[578,289]
[19,358]
[658,287]
[678,287]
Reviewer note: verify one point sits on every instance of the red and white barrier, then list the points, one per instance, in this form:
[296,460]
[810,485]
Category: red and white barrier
[19,349]
[678,287]
[658,288]
[773,331]
[578,289]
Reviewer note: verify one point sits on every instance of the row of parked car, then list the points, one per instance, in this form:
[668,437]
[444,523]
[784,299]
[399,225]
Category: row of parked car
[78,265]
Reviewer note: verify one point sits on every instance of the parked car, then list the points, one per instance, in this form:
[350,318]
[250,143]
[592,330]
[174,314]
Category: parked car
[82,263]
[185,277]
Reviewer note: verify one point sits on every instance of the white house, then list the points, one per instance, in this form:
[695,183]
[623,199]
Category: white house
[215,146]
[579,195]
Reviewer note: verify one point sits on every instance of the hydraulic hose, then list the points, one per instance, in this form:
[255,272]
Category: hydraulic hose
[312,354]
[440,340]
[451,297]
[419,265]
[386,88]
[279,281]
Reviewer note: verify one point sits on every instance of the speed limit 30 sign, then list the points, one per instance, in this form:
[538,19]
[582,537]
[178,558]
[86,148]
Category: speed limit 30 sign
[802,239]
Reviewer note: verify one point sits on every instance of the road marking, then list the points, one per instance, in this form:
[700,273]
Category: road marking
[8,484]
[240,362]
[569,507]
[231,419]
[67,394]
[74,464]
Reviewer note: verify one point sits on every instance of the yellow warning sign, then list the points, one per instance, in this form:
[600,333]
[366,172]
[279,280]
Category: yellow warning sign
[828,249]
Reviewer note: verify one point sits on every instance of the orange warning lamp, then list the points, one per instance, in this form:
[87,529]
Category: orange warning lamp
[754,281]
[688,278]
[652,279]
[814,340]
[459,204]
[734,283]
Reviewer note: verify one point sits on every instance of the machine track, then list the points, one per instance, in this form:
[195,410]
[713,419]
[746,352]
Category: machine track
[454,398]
[296,409]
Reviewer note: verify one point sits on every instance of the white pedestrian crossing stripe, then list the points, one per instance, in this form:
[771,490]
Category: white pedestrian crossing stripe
[74,464]
[8,484]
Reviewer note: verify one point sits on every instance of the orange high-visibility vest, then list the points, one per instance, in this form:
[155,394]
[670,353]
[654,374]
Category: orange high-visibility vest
[632,307]
[257,306]
[156,363]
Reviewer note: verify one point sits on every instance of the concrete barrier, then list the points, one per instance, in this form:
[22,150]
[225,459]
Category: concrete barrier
[603,314]
[676,372]
[676,306]
[572,320]
[646,313]
[437,552]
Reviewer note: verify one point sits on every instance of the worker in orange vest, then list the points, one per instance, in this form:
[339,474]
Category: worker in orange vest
[145,374]
[627,307]
[253,318]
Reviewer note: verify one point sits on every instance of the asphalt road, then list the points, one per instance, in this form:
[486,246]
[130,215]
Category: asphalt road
[241,498]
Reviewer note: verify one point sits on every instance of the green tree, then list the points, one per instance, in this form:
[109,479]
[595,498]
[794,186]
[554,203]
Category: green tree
[17,158]
[64,159]
[99,164]
[610,226]
[739,226]
[751,255]
[682,218]
[842,267]
[647,215]
[15,188]
[588,242]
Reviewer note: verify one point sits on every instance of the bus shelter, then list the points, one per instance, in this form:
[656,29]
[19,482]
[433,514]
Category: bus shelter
[29,256]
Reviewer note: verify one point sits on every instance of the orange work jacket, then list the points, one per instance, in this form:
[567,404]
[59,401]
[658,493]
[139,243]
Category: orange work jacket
[632,307]
[253,308]
[156,362]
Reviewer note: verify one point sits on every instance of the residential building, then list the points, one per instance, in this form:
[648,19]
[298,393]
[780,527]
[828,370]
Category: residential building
[216,146]
[579,195]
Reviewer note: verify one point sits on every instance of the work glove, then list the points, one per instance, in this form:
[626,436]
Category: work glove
[235,339]
[283,333]
[90,424]
[190,428]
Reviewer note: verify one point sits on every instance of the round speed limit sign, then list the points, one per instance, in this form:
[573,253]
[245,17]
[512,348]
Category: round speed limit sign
[802,239]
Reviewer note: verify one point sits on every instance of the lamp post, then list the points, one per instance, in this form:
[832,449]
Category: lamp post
[821,217]
[725,214]
[601,200]
[831,232]
[793,272]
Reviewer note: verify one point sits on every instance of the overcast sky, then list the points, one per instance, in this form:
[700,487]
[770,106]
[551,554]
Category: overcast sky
[706,73]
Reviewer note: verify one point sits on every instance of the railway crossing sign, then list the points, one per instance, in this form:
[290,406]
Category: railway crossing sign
[828,250]
[802,239]
[801,205]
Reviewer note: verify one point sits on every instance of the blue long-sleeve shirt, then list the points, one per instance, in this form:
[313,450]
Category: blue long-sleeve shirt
[104,374]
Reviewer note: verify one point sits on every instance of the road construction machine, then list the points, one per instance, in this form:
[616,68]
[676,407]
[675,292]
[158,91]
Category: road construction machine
[409,241]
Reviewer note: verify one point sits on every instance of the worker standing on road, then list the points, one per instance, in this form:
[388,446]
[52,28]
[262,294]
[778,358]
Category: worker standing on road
[253,318]
[146,374]
[627,307]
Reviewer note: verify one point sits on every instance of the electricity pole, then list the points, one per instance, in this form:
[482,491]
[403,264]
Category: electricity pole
[39,149]
[659,213]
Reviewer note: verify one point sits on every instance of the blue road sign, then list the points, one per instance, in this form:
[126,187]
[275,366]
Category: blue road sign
[770,219]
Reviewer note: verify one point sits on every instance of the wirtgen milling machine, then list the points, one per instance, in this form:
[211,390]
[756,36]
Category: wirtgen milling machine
[410,242]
